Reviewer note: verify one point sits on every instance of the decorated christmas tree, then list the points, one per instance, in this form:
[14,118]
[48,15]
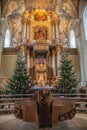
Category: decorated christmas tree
[20,82]
[68,80]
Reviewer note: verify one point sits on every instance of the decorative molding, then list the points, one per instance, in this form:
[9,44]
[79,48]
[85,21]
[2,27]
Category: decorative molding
[9,51]
[71,51]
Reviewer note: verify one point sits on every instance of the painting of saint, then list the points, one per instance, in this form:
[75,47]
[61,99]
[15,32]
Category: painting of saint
[40,33]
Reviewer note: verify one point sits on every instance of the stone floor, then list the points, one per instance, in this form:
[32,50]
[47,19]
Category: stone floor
[9,122]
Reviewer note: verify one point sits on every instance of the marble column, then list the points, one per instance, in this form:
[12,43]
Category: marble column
[22,32]
[49,36]
[24,29]
[53,62]
[53,32]
[31,63]
[58,60]
[28,31]
[31,31]
[57,30]
[28,61]
[56,63]
[48,60]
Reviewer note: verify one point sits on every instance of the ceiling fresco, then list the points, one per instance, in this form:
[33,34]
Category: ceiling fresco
[67,10]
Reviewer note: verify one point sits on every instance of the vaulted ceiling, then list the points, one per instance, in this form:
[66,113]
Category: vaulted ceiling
[64,7]
[67,10]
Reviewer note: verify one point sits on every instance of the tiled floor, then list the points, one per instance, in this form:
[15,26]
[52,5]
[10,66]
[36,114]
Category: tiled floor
[9,122]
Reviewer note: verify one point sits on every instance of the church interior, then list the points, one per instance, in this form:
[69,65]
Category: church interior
[41,30]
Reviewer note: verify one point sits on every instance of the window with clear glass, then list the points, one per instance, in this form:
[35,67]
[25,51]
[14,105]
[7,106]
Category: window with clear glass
[85,21]
[7,39]
[72,39]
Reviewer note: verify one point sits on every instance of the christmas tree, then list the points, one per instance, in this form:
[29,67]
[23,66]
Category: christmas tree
[68,80]
[20,82]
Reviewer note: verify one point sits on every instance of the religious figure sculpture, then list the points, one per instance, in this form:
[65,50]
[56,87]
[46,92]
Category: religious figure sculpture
[41,80]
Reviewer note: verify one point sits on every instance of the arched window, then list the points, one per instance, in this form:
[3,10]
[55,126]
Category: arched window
[7,39]
[72,39]
[85,21]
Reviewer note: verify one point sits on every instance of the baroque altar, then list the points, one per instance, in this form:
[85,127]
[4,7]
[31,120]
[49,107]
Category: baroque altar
[40,35]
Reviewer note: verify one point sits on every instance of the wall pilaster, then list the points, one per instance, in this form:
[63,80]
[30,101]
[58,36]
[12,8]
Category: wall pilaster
[83,45]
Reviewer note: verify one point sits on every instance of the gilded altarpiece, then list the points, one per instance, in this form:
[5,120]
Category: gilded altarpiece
[40,31]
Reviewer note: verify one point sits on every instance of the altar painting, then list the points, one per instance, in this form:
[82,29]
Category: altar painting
[40,33]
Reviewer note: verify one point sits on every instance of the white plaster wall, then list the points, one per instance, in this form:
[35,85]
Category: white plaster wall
[8,65]
[76,65]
